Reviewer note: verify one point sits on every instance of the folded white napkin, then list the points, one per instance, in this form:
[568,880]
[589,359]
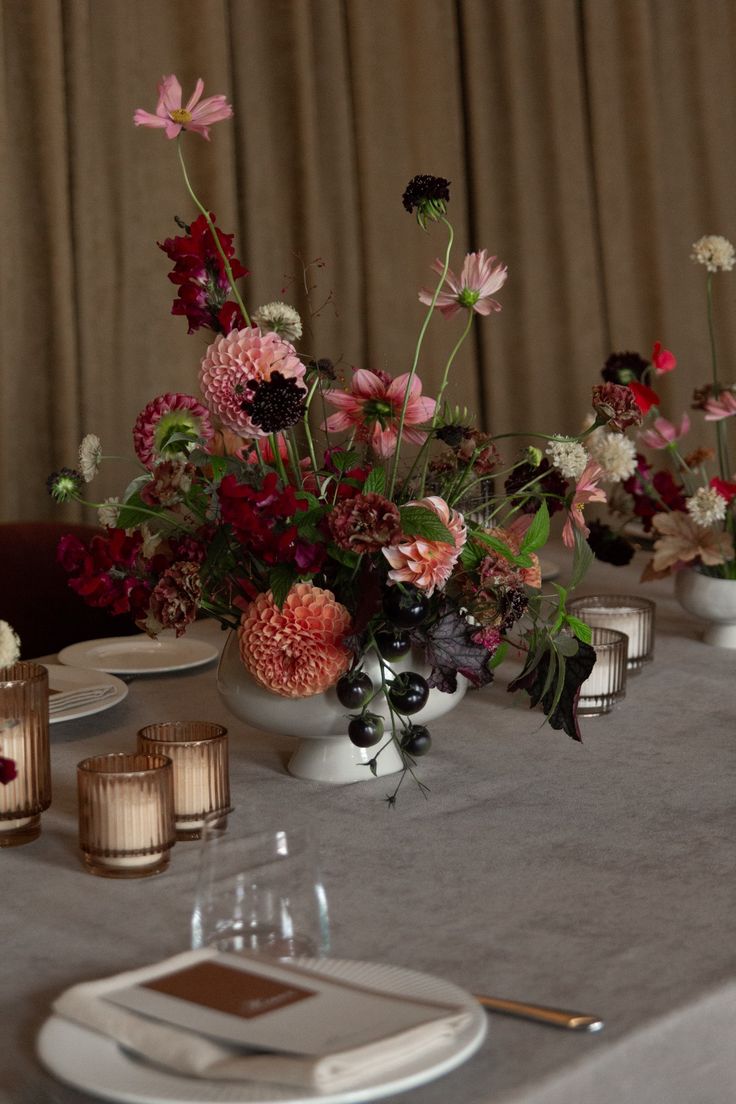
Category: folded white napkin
[185,1051]
[60,700]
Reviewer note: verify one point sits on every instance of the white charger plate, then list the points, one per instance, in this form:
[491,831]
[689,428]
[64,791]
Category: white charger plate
[97,1065]
[64,679]
[139,655]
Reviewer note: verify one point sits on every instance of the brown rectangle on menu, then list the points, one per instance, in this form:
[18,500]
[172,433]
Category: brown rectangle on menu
[235,992]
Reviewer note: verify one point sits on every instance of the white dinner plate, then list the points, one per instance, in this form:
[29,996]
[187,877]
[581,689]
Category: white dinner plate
[65,679]
[139,655]
[97,1065]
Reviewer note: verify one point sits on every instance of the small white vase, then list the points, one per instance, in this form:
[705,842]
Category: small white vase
[714,600]
[325,752]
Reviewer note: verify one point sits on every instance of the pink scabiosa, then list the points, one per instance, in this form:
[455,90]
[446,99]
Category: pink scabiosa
[365,523]
[230,366]
[198,114]
[298,650]
[373,407]
[170,426]
[428,564]
[473,290]
[586,490]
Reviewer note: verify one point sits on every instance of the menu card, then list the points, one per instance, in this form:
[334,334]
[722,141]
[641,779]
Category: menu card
[216,1015]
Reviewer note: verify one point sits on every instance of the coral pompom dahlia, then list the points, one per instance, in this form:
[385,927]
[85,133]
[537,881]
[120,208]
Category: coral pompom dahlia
[298,650]
[233,362]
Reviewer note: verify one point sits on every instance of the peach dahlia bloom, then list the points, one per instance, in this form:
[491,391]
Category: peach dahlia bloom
[298,650]
[424,563]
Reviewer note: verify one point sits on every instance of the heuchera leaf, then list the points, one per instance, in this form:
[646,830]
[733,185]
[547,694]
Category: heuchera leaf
[418,521]
[450,649]
[538,685]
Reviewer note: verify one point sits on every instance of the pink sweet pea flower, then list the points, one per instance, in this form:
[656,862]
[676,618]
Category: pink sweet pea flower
[479,279]
[173,118]
[722,407]
[664,433]
[586,490]
[662,359]
[645,397]
[373,406]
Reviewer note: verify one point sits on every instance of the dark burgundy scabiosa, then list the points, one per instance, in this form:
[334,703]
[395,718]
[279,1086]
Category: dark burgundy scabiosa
[616,405]
[429,196]
[551,487]
[175,599]
[64,484]
[7,770]
[624,367]
[607,546]
[365,523]
[275,403]
[200,275]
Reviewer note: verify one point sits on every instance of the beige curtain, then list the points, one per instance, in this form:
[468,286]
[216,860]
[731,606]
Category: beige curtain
[589,143]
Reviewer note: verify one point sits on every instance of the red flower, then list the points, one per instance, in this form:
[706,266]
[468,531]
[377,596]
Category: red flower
[667,490]
[261,517]
[102,573]
[645,397]
[7,770]
[200,275]
[725,489]
[662,359]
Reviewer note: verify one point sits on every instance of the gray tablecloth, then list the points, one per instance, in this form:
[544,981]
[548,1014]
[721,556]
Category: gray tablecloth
[597,877]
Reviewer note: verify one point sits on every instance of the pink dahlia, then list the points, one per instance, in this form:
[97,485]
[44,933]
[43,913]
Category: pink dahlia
[427,564]
[158,430]
[298,650]
[474,289]
[233,362]
[172,117]
[373,406]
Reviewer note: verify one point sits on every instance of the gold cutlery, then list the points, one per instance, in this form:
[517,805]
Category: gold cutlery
[553,1017]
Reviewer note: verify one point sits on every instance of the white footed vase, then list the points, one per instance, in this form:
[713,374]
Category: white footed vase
[325,752]
[713,600]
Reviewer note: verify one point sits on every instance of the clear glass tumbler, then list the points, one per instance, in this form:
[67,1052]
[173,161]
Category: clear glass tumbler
[262,894]
[24,705]
[199,752]
[626,613]
[606,683]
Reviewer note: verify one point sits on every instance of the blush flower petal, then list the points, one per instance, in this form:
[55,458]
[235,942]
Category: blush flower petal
[479,279]
[722,407]
[664,433]
[427,564]
[172,118]
[586,490]
[373,407]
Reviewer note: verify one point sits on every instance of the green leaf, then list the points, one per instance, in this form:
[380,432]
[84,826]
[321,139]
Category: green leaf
[376,482]
[498,656]
[537,534]
[579,628]
[470,556]
[523,559]
[280,580]
[581,560]
[348,559]
[418,521]
[566,645]
[344,460]
[311,500]
[133,513]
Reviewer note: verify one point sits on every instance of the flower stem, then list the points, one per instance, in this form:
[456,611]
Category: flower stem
[417,350]
[215,235]
[721,439]
[278,462]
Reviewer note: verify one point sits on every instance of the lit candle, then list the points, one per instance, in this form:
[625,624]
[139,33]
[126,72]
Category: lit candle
[24,738]
[606,683]
[199,753]
[628,614]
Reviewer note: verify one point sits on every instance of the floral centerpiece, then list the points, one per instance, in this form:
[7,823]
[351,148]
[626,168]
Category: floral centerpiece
[323,520]
[685,505]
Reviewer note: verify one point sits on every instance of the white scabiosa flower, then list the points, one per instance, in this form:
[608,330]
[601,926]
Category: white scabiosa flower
[90,456]
[615,453]
[151,541]
[715,252]
[9,645]
[706,506]
[279,318]
[108,513]
[569,457]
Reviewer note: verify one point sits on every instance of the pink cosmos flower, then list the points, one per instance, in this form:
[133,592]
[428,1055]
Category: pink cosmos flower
[173,118]
[428,564]
[662,359]
[297,650]
[479,279]
[236,359]
[586,490]
[722,407]
[664,433]
[169,415]
[373,406]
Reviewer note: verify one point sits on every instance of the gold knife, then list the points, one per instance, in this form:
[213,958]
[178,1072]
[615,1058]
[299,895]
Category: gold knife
[553,1017]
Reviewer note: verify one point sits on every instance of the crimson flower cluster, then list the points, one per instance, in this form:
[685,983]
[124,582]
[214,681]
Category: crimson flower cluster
[199,273]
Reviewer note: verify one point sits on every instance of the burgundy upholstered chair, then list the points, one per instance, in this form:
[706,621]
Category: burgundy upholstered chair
[35,597]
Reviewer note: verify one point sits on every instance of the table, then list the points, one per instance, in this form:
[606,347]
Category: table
[597,877]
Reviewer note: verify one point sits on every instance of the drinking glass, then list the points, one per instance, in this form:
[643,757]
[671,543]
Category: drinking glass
[262,894]
[24,714]
[606,683]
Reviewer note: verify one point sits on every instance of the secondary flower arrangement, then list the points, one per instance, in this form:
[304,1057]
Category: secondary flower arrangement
[323,522]
[689,513]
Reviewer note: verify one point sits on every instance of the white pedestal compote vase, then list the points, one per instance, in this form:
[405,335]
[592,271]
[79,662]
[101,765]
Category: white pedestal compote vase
[713,600]
[325,752]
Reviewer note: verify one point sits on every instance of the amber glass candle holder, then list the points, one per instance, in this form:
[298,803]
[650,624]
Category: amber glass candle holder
[624,613]
[24,698]
[126,814]
[199,752]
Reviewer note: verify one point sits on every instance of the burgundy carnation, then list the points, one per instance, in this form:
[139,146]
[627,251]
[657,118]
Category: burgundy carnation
[175,599]
[617,405]
[365,523]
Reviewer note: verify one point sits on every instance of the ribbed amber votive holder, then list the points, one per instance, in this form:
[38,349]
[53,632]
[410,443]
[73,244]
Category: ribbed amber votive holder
[24,698]
[126,814]
[199,752]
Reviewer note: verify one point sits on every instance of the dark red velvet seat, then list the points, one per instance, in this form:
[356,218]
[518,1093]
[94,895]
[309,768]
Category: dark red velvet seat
[35,597]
